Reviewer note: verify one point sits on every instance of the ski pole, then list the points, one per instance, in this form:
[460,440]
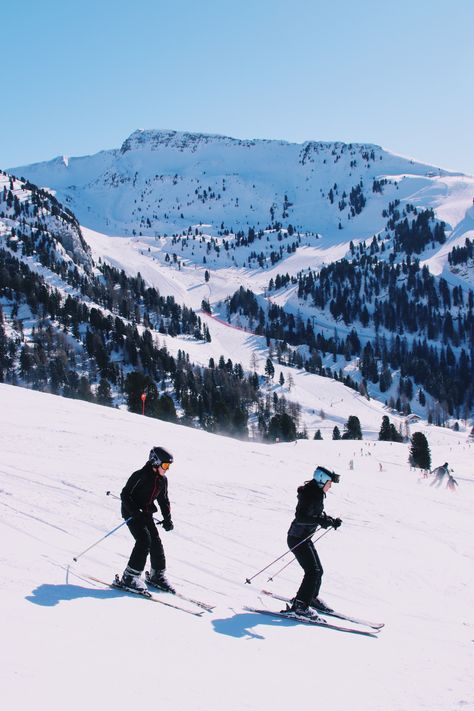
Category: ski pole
[75,558]
[293,559]
[249,580]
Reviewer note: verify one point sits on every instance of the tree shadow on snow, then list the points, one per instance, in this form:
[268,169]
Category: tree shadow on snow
[51,595]
[240,625]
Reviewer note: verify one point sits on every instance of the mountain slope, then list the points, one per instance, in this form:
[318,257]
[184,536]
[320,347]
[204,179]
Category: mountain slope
[164,181]
[325,198]
[67,642]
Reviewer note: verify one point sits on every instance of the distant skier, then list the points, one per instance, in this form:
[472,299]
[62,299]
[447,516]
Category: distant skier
[308,516]
[138,496]
[451,483]
[439,473]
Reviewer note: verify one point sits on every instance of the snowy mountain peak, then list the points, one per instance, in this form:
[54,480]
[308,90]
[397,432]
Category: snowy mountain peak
[154,139]
[163,181]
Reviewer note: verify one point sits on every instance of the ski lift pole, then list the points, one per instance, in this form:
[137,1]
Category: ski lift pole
[79,555]
[293,559]
[249,580]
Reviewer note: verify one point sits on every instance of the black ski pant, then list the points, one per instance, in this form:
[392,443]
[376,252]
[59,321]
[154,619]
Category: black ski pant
[307,557]
[147,541]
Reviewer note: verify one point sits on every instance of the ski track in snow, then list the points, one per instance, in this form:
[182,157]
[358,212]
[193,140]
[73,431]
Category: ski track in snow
[404,555]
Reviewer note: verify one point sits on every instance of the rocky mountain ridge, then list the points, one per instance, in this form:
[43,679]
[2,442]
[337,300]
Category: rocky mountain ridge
[165,181]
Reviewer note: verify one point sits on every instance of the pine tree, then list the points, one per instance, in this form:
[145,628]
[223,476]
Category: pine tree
[395,435]
[282,427]
[269,369]
[384,434]
[318,435]
[420,455]
[104,393]
[336,434]
[388,431]
[164,409]
[352,428]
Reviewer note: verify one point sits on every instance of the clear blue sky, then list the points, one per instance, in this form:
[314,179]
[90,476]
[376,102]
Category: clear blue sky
[80,75]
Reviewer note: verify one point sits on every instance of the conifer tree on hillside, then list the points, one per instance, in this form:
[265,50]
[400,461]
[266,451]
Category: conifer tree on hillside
[290,382]
[318,435]
[388,431]
[269,369]
[136,384]
[420,454]
[336,434]
[384,433]
[104,392]
[282,427]
[352,428]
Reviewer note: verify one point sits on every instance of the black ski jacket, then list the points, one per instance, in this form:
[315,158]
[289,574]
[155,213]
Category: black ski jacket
[141,491]
[309,512]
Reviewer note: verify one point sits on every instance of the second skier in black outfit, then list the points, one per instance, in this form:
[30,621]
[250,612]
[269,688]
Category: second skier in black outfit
[308,516]
[138,496]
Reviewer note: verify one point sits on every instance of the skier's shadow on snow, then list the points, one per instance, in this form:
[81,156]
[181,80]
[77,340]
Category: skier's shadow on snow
[51,595]
[240,625]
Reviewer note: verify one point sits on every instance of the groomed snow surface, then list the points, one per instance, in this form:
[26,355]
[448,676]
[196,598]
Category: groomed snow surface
[404,555]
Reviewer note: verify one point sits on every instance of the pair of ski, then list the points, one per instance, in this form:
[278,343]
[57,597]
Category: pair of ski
[147,595]
[375,627]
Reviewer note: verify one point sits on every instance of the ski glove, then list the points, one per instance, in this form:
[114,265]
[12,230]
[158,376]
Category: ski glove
[168,525]
[329,521]
[325,521]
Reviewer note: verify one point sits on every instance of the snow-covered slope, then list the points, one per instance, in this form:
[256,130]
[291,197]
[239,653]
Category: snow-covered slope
[161,183]
[216,190]
[201,267]
[404,555]
[35,216]
[164,181]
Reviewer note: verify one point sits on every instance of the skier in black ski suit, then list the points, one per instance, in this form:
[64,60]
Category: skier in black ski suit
[308,516]
[138,496]
[439,473]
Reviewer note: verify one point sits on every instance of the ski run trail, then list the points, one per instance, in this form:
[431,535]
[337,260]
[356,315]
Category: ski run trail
[404,556]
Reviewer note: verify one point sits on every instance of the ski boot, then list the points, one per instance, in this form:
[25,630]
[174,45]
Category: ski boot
[300,609]
[321,606]
[157,579]
[131,579]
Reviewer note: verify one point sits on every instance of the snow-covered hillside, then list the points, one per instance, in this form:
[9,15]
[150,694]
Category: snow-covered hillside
[403,555]
[176,208]
[164,181]
[204,187]
[35,216]
[199,267]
